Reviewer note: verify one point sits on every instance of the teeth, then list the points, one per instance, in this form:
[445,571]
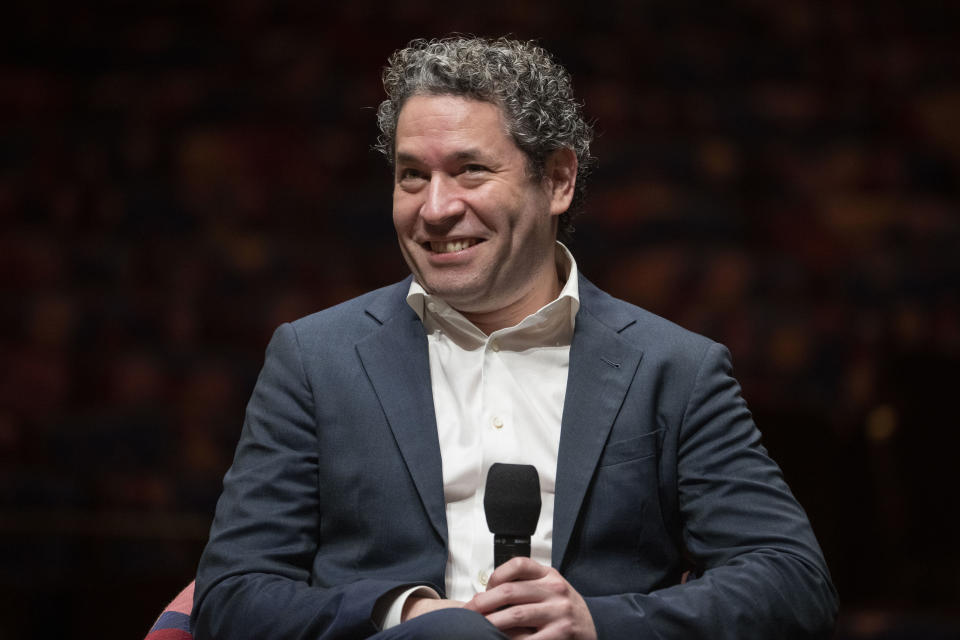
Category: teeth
[450,247]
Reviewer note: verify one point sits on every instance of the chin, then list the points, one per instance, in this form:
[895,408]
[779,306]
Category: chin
[453,294]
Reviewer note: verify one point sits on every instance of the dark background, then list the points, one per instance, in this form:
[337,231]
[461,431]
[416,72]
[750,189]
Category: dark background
[177,178]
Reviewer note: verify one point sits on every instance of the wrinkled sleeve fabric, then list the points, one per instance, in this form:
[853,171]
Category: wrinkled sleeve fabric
[254,578]
[759,570]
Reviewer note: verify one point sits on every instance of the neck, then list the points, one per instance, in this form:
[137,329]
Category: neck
[515,312]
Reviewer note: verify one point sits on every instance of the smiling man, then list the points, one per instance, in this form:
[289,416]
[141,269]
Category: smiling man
[477,229]
[354,507]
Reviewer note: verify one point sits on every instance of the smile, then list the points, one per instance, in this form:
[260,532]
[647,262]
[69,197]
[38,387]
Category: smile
[452,246]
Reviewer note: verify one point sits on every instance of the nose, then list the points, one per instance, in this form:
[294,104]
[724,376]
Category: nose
[443,201]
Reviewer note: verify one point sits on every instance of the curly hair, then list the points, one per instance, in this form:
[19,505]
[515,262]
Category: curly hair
[534,92]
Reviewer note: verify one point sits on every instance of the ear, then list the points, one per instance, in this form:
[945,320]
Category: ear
[560,179]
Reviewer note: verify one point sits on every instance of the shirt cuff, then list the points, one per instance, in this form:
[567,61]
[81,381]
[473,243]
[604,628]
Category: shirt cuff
[394,613]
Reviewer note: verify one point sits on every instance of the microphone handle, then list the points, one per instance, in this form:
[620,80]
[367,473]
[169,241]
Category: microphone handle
[506,547]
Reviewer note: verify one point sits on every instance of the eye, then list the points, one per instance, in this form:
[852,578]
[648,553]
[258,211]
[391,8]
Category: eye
[409,176]
[473,175]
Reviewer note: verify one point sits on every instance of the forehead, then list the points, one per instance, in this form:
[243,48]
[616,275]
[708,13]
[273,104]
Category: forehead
[451,121]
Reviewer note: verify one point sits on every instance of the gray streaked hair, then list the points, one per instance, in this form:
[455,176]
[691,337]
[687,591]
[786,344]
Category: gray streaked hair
[533,90]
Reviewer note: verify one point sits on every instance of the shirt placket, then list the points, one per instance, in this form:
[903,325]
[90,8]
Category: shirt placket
[498,438]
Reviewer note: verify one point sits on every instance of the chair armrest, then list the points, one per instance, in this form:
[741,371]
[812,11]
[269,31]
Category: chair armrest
[174,621]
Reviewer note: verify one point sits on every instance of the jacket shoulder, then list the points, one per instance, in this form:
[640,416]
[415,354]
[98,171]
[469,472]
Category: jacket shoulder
[352,319]
[652,333]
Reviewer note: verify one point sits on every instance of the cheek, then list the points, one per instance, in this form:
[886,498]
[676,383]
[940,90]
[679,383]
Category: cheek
[398,220]
[493,209]
[404,213]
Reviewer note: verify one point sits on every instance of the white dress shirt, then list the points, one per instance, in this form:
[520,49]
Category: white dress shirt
[497,398]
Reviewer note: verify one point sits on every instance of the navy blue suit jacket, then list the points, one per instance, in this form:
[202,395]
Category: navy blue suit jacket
[335,496]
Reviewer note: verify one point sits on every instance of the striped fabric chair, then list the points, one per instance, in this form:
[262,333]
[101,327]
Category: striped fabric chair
[174,622]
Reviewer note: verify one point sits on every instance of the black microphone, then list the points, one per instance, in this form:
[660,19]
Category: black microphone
[511,502]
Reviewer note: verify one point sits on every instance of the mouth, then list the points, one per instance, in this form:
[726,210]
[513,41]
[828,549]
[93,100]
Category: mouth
[451,246]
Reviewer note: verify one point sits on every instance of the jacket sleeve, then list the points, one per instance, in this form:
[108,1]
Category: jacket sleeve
[254,579]
[759,570]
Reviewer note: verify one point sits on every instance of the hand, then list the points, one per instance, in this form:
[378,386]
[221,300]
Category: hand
[418,605]
[525,599]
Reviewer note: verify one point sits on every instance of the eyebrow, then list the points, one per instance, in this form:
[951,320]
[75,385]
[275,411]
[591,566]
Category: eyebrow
[406,157]
[470,154]
[465,154]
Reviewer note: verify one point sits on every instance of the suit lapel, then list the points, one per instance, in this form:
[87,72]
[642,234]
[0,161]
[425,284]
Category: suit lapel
[396,360]
[602,366]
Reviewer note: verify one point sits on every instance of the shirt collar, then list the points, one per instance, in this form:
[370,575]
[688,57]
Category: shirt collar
[437,314]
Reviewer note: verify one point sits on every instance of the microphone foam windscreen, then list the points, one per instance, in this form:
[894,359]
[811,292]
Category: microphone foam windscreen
[512,499]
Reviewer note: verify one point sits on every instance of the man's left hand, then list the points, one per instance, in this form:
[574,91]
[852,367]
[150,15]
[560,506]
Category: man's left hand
[525,599]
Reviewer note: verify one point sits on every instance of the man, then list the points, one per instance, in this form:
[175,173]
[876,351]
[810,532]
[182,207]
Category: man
[354,505]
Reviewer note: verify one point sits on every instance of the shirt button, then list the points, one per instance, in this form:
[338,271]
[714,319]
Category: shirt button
[483,577]
[497,423]
[495,345]
[432,307]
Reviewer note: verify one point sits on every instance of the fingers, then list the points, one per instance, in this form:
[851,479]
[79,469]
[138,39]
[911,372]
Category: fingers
[527,600]
[529,616]
[517,569]
[543,621]
[509,594]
